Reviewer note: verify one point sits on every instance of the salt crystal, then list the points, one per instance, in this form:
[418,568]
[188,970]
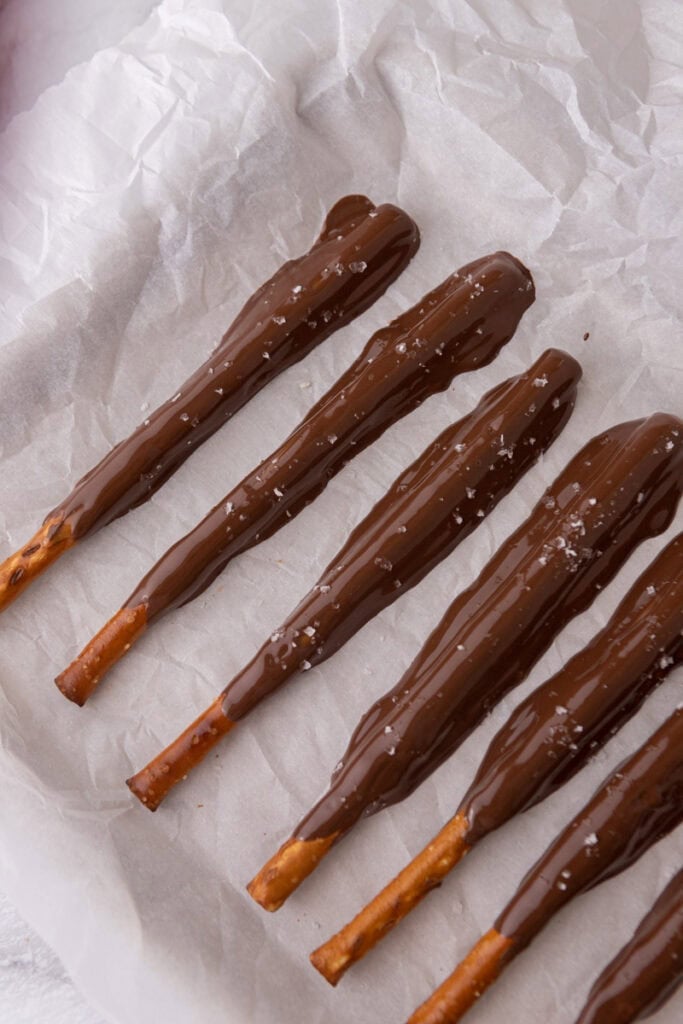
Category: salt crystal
[560,710]
[279,320]
[184,417]
[297,289]
[384,563]
[651,591]
[540,382]
[277,492]
[229,507]
[358,266]
[591,840]
[401,347]
[305,665]
[309,630]
[332,438]
[470,492]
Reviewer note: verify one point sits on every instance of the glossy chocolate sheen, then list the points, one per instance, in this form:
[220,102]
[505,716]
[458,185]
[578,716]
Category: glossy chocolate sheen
[647,971]
[460,325]
[430,508]
[621,488]
[640,803]
[552,733]
[360,251]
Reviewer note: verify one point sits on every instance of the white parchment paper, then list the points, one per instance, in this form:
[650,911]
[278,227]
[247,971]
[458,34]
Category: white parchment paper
[141,201]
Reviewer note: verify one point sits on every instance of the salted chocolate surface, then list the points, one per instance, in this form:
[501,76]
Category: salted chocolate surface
[647,971]
[638,804]
[430,508]
[621,488]
[360,251]
[552,733]
[460,325]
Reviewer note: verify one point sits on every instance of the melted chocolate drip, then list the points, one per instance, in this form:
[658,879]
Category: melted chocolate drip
[621,488]
[640,803]
[647,971]
[360,251]
[552,733]
[431,507]
[461,325]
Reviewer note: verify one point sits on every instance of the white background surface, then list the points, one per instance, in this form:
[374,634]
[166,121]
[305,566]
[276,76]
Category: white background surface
[157,186]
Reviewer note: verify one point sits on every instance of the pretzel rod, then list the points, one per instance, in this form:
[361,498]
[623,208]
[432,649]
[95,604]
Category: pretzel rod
[621,488]
[647,971]
[549,737]
[637,805]
[391,905]
[44,548]
[454,997]
[152,784]
[429,509]
[304,302]
[458,326]
[294,861]
[113,641]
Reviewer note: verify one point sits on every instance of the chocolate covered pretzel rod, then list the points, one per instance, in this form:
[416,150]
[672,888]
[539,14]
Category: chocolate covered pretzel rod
[428,510]
[457,327]
[636,806]
[548,738]
[647,971]
[621,488]
[360,251]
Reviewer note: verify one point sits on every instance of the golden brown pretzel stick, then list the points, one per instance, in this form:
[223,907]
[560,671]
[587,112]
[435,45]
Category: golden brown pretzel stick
[422,517]
[603,505]
[397,899]
[301,305]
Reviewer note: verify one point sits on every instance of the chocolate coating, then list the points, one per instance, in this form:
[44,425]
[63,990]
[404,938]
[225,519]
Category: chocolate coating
[552,733]
[460,325]
[621,488]
[647,971]
[636,806]
[429,509]
[360,251]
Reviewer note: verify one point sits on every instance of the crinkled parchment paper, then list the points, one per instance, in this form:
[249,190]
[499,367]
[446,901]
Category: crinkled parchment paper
[141,201]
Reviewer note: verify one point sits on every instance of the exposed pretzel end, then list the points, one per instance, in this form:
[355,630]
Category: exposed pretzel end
[153,783]
[16,572]
[79,680]
[454,997]
[285,872]
[424,873]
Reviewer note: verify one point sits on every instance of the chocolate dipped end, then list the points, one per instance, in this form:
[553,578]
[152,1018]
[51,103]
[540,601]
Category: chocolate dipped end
[461,324]
[432,506]
[552,733]
[360,251]
[647,971]
[640,803]
[637,805]
[621,488]
[549,736]
[458,326]
[428,510]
